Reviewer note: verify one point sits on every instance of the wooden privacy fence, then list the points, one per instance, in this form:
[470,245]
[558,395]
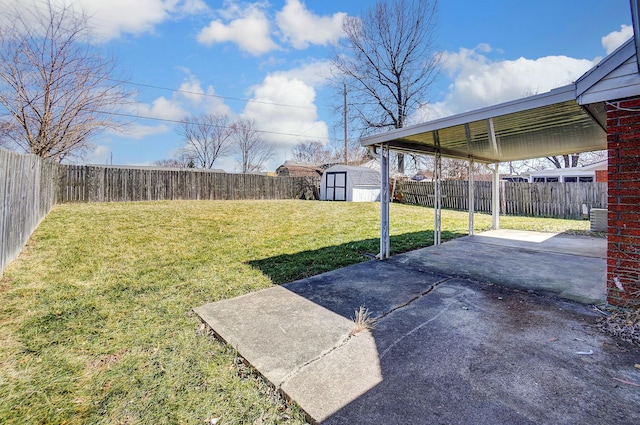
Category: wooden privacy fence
[30,187]
[27,194]
[84,183]
[560,200]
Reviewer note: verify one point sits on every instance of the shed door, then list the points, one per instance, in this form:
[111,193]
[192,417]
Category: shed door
[337,186]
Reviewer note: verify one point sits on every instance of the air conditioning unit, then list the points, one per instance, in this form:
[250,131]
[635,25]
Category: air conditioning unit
[598,218]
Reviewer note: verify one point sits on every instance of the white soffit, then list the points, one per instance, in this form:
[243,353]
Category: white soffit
[543,125]
[566,120]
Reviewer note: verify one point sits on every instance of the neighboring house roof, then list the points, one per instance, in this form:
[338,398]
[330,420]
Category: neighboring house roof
[600,165]
[586,170]
[566,120]
[423,175]
[294,169]
[360,176]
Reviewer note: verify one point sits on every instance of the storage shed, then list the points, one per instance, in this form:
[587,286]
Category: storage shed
[349,183]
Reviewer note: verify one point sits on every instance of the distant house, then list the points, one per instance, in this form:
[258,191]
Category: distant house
[299,169]
[423,176]
[591,173]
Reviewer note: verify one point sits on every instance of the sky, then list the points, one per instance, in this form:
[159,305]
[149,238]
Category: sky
[269,61]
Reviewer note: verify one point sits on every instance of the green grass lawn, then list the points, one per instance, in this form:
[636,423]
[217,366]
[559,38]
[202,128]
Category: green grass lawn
[96,320]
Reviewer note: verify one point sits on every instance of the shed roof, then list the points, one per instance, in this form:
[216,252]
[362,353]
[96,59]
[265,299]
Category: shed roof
[569,119]
[360,176]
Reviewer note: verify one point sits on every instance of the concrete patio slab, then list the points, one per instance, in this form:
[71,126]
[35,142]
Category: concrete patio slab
[444,349]
[565,266]
[582,245]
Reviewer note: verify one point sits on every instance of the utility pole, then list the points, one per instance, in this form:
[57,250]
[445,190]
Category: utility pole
[346,140]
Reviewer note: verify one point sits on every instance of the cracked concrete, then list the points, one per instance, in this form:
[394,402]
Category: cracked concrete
[444,349]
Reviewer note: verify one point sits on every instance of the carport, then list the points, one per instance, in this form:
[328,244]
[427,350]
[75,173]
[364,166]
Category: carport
[567,120]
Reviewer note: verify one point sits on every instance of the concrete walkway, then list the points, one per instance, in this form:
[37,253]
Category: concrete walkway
[453,342]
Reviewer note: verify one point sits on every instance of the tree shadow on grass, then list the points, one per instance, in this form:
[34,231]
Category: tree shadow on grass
[289,267]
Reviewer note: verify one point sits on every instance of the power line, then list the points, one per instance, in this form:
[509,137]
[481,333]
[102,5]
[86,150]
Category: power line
[210,95]
[121,114]
[151,86]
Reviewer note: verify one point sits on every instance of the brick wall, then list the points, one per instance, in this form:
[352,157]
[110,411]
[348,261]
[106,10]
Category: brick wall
[623,232]
[601,176]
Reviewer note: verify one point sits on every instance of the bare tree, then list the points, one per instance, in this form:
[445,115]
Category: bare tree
[451,169]
[180,161]
[56,90]
[560,161]
[313,152]
[252,149]
[207,138]
[5,131]
[577,160]
[389,62]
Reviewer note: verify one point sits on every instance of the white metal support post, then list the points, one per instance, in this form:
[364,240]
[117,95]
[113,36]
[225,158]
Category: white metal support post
[495,198]
[471,185]
[437,200]
[384,202]
[471,188]
[495,181]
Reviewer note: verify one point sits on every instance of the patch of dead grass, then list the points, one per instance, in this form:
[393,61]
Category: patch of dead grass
[362,321]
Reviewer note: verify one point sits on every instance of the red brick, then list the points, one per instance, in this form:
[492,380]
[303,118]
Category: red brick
[628,147]
[628,120]
[626,239]
[617,263]
[629,200]
[631,167]
[618,223]
[619,254]
[630,103]
[628,231]
[620,192]
[614,115]
[629,184]
[629,136]
[624,177]
[624,160]
[632,219]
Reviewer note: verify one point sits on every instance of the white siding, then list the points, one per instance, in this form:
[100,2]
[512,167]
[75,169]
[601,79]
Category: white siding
[365,194]
[624,81]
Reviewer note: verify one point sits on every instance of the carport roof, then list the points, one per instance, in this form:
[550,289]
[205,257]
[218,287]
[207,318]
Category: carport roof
[566,120]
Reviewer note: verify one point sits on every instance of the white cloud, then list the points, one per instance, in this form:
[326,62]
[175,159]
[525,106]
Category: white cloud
[480,82]
[249,28]
[99,155]
[301,28]
[289,124]
[161,108]
[140,131]
[615,39]
[316,73]
[206,102]
[190,100]
[109,19]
